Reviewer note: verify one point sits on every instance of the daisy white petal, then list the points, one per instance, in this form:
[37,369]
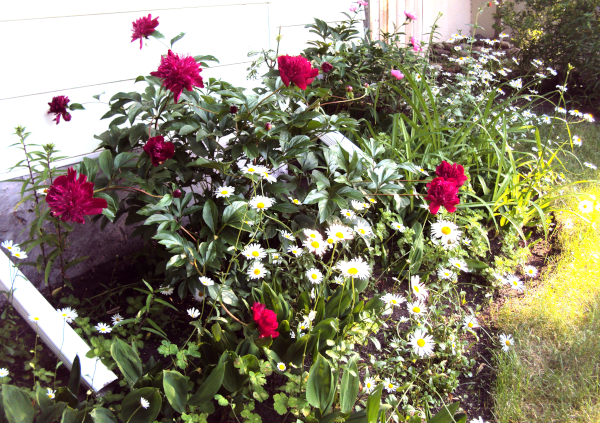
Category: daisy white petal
[506,341]
[422,343]
[103,328]
[470,323]
[4,372]
[458,264]
[363,229]
[206,281]
[369,384]
[281,367]
[416,308]
[312,234]
[295,250]
[418,288]
[254,252]
[224,192]
[355,268]
[193,313]
[316,246]
[116,318]
[446,274]
[390,385]
[257,270]
[144,403]
[445,230]
[530,271]
[50,393]
[287,235]
[339,233]
[199,296]
[261,202]
[314,275]
[166,290]
[348,214]
[586,206]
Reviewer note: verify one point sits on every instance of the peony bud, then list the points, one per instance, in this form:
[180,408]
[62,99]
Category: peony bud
[326,67]
[233,109]
[177,193]
[268,126]
[349,88]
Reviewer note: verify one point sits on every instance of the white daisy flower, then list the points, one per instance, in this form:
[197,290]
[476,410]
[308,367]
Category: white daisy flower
[254,252]
[369,385]
[506,341]
[316,246]
[281,367]
[295,250]
[50,393]
[418,289]
[224,192]
[4,372]
[305,325]
[418,308]
[287,235]
[372,200]
[276,258]
[586,206]
[295,200]
[530,271]
[312,234]
[312,315]
[477,420]
[144,403]
[339,280]
[422,343]
[399,226]
[199,295]
[292,334]
[514,282]
[257,270]
[42,191]
[458,264]
[314,275]
[166,290]
[339,233]
[393,299]
[357,205]
[116,318]
[590,165]
[348,214]
[16,252]
[355,268]
[261,202]
[363,229]
[34,318]
[423,171]
[470,323]
[577,140]
[103,328]
[268,177]
[389,385]
[206,281]
[68,314]
[249,222]
[446,274]
[8,244]
[445,230]
[254,170]
[193,313]
[466,241]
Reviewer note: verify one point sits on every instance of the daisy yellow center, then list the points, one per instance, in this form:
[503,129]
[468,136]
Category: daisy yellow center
[391,385]
[330,240]
[18,254]
[507,342]
[281,367]
[368,384]
[9,248]
[470,324]
[416,288]
[398,226]
[295,251]
[348,214]
[103,330]
[416,309]
[421,343]
[515,283]
[315,244]
[36,319]
[353,271]
[257,271]
[314,276]
[296,201]
[255,253]
[313,236]
[457,264]
[394,302]
[251,169]
[362,231]
[446,230]
[275,256]
[224,192]
[530,271]
[260,205]
[446,274]
[339,235]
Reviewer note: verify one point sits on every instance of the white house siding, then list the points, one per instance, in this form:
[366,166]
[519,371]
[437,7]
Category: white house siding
[82,48]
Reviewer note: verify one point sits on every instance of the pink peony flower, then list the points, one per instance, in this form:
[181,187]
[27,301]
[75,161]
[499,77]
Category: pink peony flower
[178,73]
[296,69]
[143,28]
[266,320]
[416,45]
[159,150]
[326,67]
[410,15]
[362,3]
[397,74]
[353,8]
[72,198]
[442,192]
[455,172]
[58,106]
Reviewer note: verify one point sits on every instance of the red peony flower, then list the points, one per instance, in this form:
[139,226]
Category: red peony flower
[442,193]
[143,28]
[296,69]
[233,109]
[326,67]
[72,198]
[58,106]
[178,73]
[447,171]
[159,150]
[266,320]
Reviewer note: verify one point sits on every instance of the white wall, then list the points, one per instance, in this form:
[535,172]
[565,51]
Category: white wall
[61,48]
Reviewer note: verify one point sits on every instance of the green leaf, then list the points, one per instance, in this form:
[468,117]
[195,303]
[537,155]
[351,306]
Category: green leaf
[17,405]
[157,35]
[285,208]
[175,385]
[210,213]
[373,404]
[445,414]
[475,264]
[75,376]
[76,106]
[133,412]
[349,388]
[106,163]
[128,361]
[42,399]
[321,384]
[209,387]
[52,413]
[177,38]
[103,415]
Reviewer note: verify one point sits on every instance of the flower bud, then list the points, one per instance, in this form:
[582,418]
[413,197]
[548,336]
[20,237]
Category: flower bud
[349,88]
[326,67]
[268,126]
[177,193]
[233,109]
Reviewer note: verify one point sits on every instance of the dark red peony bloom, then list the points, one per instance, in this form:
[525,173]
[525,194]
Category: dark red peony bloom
[296,69]
[326,67]
[178,73]
[159,150]
[233,109]
[72,198]
[447,171]
[442,193]
[143,28]
[266,320]
[58,106]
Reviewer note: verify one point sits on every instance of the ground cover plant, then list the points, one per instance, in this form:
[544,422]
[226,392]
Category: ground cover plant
[283,277]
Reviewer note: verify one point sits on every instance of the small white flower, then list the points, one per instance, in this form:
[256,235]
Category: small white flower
[312,234]
[458,264]
[470,323]
[399,226]
[166,291]
[295,200]
[68,314]
[116,318]
[50,393]
[199,295]
[348,214]
[446,274]
[514,282]
[254,170]
[4,372]
[224,192]
[34,318]
[590,165]
[417,308]
[339,233]
[103,328]
[16,252]
[254,251]
[477,420]
[445,230]
[257,270]
[369,385]
[42,191]
[261,202]
[422,343]
[423,171]
[8,244]
[418,289]
[312,315]
[363,229]
[586,206]
[295,250]
[281,367]
[193,313]
[357,205]
[292,334]
[314,275]
[305,325]
[206,281]
[287,235]
[577,140]
[268,177]
[355,268]
[530,271]
[506,341]
[144,402]
[393,300]
[316,246]
[389,385]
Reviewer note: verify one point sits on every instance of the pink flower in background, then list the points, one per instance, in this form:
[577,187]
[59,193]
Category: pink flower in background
[353,8]
[266,320]
[363,3]
[178,73]
[416,45]
[442,192]
[143,28]
[455,172]
[410,15]
[159,150]
[296,69]
[72,198]
[397,74]
[58,106]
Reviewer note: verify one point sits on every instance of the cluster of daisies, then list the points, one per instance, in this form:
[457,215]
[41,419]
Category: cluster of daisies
[14,249]
[447,235]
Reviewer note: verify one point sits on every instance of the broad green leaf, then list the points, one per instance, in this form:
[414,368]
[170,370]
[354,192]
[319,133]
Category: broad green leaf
[75,376]
[175,386]
[209,387]
[321,384]
[373,404]
[103,415]
[445,414]
[210,213]
[349,388]
[133,412]
[106,163]
[128,361]
[17,405]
